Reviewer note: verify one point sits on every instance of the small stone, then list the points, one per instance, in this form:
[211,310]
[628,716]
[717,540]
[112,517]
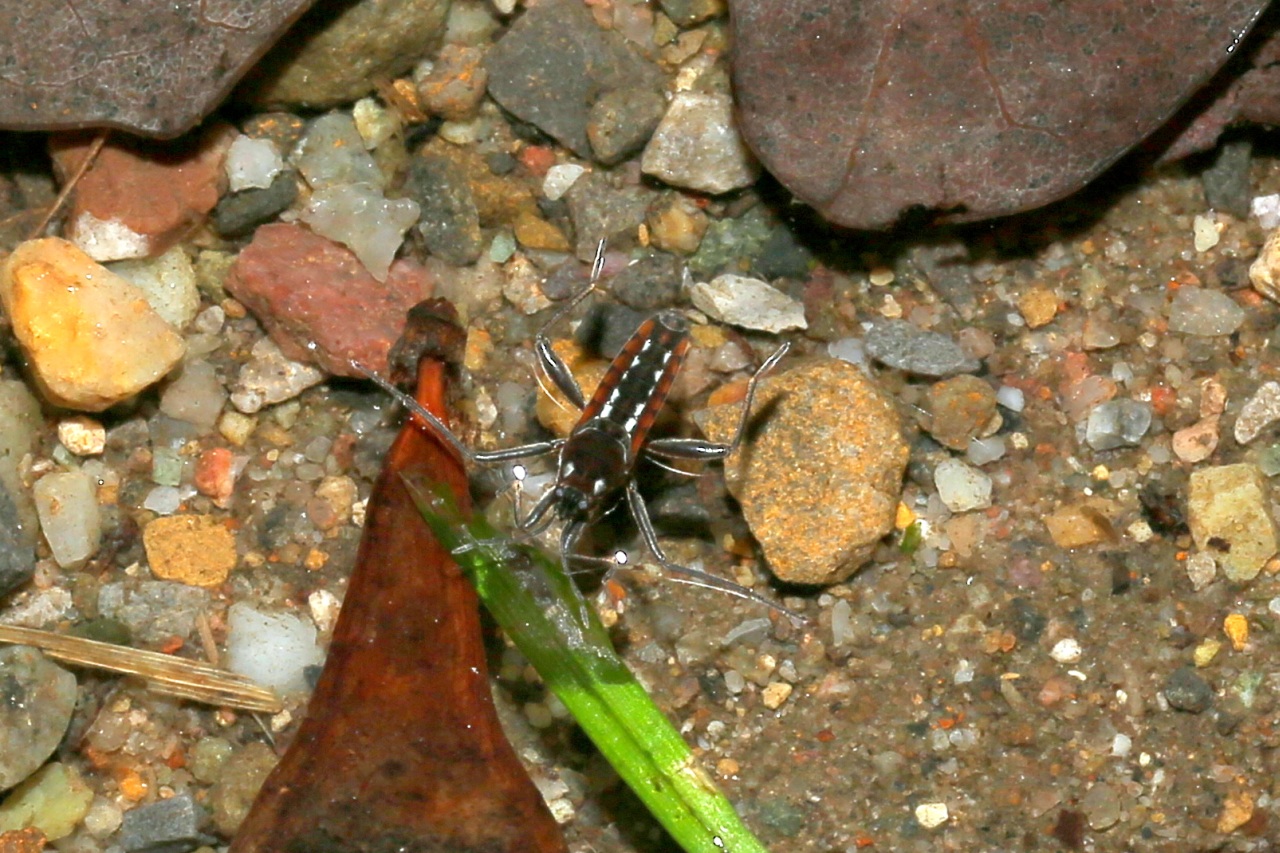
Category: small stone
[961,409]
[697,146]
[1066,651]
[600,211]
[553,64]
[103,818]
[1266,209]
[1258,412]
[819,481]
[195,395]
[236,427]
[1226,181]
[1201,570]
[1101,806]
[1205,652]
[1078,525]
[932,815]
[1204,232]
[961,487]
[687,13]
[774,694]
[193,549]
[1038,306]
[274,649]
[1099,333]
[90,336]
[522,286]
[319,303]
[749,303]
[269,378]
[1186,691]
[1264,272]
[375,123]
[252,163]
[239,213]
[1227,511]
[239,780]
[140,197]
[456,83]
[1237,810]
[1118,423]
[621,122]
[559,179]
[534,232]
[449,221]
[361,218]
[39,697]
[168,283]
[154,612]
[676,224]
[333,153]
[69,517]
[1197,442]
[651,281]
[163,826]
[82,435]
[1204,313]
[900,344]
[216,475]
[53,800]
[1236,627]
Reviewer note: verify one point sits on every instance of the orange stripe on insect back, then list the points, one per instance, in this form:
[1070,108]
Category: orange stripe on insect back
[624,359]
[661,391]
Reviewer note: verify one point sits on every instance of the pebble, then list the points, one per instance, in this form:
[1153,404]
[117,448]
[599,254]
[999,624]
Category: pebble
[168,283]
[361,218]
[139,198]
[1197,442]
[1204,232]
[559,179]
[1264,272]
[21,424]
[449,221]
[534,232]
[1186,691]
[820,485]
[153,611]
[651,281]
[1237,810]
[267,378]
[1201,570]
[902,345]
[1066,651]
[319,303]
[1266,209]
[1236,627]
[252,163]
[774,694]
[1101,806]
[961,409]
[239,213]
[164,826]
[103,818]
[748,303]
[195,396]
[697,146]
[197,550]
[961,487]
[239,780]
[555,62]
[273,649]
[521,286]
[1077,525]
[82,435]
[215,475]
[1226,181]
[91,338]
[1038,306]
[1258,412]
[600,211]
[17,554]
[67,504]
[686,13]
[1227,511]
[1117,423]
[455,85]
[333,153]
[163,500]
[53,800]
[1205,313]
[932,815]
[621,122]
[39,697]
[676,224]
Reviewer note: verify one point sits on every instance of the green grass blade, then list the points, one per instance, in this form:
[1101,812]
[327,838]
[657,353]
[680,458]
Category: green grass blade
[544,614]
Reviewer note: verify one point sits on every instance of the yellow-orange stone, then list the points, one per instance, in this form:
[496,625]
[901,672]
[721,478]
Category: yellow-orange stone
[191,549]
[91,337]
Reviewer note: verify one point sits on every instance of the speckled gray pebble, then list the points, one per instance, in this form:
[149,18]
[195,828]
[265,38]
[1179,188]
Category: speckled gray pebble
[153,610]
[601,211]
[1187,691]
[165,826]
[17,556]
[35,709]
[651,281]
[1204,313]
[1117,423]
[1258,412]
[897,343]
[449,220]
[622,120]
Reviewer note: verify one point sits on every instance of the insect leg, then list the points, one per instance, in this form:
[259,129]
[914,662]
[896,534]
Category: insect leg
[554,366]
[682,574]
[696,448]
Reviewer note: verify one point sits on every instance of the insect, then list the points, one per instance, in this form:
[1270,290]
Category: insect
[596,462]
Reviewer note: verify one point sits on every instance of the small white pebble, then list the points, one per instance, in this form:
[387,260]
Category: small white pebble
[1066,651]
[931,815]
[252,163]
[1201,570]
[559,179]
[1011,398]
[82,435]
[1266,209]
[324,607]
[1120,745]
[1205,232]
